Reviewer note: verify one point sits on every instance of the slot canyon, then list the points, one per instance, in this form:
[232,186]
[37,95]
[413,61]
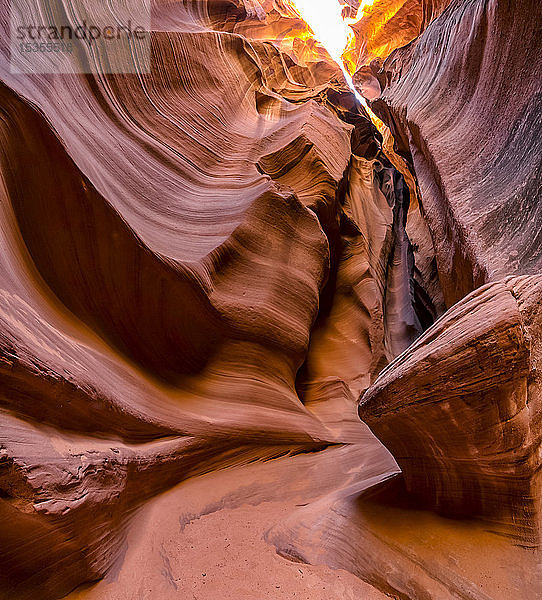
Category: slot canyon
[271,300]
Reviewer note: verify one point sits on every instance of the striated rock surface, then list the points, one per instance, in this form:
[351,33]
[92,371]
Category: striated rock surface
[204,266]
[463,100]
[461,409]
[163,258]
[376,530]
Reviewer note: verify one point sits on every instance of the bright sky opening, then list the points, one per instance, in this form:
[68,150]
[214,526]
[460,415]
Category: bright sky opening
[325,19]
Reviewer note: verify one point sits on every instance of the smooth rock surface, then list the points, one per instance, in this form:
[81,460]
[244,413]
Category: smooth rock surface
[464,100]
[461,409]
[203,267]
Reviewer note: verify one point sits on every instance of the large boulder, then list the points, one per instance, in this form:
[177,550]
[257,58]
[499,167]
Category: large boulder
[460,409]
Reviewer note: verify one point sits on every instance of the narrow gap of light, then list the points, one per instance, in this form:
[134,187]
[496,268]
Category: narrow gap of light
[325,19]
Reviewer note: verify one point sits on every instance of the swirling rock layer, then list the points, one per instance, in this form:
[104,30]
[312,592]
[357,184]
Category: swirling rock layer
[464,99]
[206,265]
[164,254]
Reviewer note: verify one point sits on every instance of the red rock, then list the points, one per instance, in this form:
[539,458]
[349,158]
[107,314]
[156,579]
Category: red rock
[205,266]
[460,410]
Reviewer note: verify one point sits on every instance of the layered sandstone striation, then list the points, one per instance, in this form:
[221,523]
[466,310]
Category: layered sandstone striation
[462,101]
[207,265]
[461,409]
[473,144]
[164,254]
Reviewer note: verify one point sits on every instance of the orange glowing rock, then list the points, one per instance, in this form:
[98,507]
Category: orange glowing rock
[376,28]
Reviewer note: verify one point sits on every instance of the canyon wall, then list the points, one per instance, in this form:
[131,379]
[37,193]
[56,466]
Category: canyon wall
[212,263]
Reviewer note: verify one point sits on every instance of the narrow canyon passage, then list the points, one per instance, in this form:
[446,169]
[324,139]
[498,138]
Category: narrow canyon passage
[206,538]
[270,299]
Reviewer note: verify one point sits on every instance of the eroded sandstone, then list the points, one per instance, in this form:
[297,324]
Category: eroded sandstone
[460,411]
[206,265]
